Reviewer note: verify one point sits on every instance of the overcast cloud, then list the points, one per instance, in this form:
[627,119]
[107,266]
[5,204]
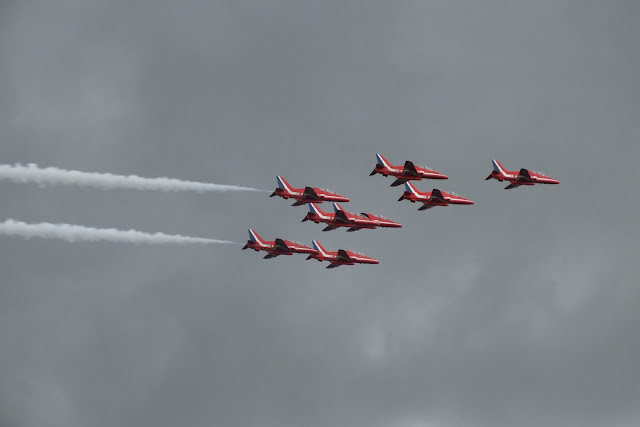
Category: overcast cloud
[521,310]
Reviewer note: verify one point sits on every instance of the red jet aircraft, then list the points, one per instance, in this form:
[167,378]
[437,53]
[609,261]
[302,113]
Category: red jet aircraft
[516,179]
[405,173]
[276,247]
[306,195]
[340,218]
[340,257]
[432,198]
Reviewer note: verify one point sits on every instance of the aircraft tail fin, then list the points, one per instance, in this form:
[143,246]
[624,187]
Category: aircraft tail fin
[498,167]
[337,207]
[411,188]
[316,210]
[255,237]
[284,185]
[318,247]
[382,161]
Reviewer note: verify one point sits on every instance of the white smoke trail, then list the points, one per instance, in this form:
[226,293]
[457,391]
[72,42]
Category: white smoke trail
[107,181]
[79,233]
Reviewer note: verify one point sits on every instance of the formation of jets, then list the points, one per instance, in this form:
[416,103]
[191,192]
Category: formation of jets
[312,196]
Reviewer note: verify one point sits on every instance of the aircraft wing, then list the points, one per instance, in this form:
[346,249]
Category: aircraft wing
[310,193]
[425,207]
[512,185]
[524,175]
[269,256]
[332,266]
[329,228]
[354,229]
[436,195]
[343,255]
[280,244]
[341,216]
[410,169]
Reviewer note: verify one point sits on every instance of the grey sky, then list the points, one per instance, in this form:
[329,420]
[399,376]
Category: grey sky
[520,310]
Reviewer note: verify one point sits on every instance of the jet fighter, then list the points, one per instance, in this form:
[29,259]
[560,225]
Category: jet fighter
[432,198]
[340,257]
[305,195]
[276,247]
[405,173]
[518,178]
[341,218]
